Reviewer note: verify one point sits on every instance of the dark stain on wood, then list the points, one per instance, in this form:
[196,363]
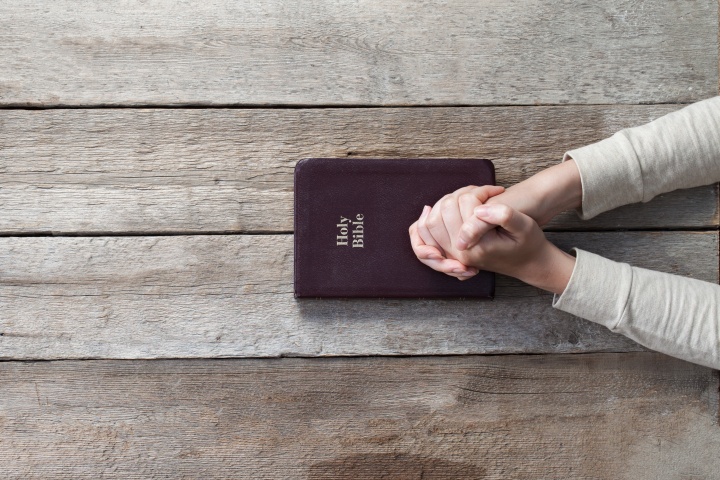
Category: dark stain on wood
[394,467]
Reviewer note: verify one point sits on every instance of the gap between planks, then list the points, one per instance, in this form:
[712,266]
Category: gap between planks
[642,415]
[231,296]
[342,52]
[290,232]
[285,106]
[212,170]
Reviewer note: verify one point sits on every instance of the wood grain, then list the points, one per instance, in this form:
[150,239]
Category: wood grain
[231,296]
[220,170]
[600,416]
[342,52]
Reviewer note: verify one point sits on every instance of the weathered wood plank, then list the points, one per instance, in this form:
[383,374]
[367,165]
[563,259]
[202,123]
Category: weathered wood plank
[220,296]
[342,52]
[601,416]
[102,171]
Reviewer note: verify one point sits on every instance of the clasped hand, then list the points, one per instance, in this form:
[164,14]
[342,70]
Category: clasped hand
[490,228]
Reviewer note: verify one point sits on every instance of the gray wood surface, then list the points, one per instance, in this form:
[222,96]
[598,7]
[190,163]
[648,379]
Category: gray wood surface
[228,170]
[218,296]
[516,82]
[379,52]
[599,416]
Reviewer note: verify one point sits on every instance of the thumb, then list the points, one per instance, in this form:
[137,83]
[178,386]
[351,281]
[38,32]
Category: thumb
[513,221]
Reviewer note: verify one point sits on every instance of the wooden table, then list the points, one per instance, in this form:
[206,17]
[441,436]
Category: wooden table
[147,323]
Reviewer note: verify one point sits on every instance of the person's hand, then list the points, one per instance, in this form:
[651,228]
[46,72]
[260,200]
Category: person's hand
[518,248]
[541,197]
[458,207]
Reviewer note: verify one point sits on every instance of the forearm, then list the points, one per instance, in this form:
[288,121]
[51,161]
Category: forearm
[671,314]
[546,193]
[679,150]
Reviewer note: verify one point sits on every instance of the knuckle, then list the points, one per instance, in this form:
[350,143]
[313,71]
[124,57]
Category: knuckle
[466,259]
[467,198]
[465,190]
[432,224]
[447,207]
[469,230]
[505,213]
[429,221]
[482,193]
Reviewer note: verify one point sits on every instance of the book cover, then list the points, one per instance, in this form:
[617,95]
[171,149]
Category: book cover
[351,226]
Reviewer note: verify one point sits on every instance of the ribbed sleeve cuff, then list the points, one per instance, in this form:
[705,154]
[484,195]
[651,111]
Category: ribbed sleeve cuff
[598,289]
[610,175]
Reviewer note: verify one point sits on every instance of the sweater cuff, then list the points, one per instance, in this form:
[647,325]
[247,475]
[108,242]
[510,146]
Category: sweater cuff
[598,289]
[610,175]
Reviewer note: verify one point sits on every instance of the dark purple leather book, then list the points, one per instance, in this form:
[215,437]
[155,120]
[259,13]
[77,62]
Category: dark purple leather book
[351,226]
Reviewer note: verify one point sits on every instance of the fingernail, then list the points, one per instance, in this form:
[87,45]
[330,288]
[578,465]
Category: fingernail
[481,211]
[435,256]
[461,244]
[426,210]
[459,270]
[469,273]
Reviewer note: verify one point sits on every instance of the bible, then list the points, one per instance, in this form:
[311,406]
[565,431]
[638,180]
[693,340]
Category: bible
[351,226]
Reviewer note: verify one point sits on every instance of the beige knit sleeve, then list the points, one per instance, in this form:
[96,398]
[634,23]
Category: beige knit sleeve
[679,150]
[671,314]
[675,315]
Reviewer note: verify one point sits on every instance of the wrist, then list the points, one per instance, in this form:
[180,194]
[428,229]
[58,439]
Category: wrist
[550,270]
[560,188]
[526,197]
[547,193]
